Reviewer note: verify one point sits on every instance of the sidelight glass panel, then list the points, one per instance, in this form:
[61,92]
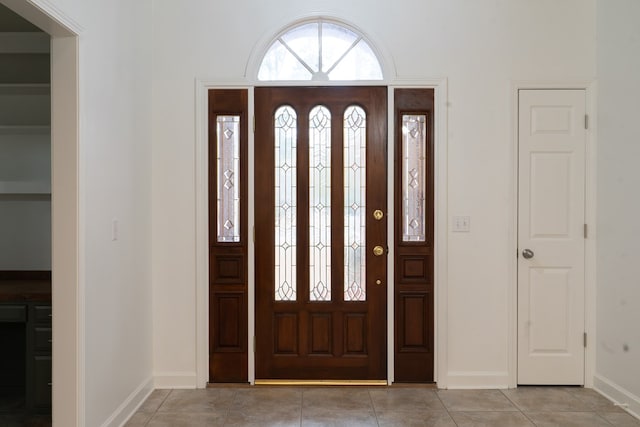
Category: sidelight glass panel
[414,146]
[355,150]
[285,142]
[320,204]
[228,166]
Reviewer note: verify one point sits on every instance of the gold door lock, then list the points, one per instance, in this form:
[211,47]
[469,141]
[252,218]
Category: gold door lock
[378,250]
[378,214]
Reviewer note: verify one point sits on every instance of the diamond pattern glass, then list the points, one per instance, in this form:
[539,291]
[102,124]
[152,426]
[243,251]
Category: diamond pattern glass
[414,146]
[285,203]
[355,149]
[320,204]
[228,166]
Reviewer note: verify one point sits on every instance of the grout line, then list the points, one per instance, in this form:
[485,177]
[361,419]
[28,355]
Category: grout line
[375,413]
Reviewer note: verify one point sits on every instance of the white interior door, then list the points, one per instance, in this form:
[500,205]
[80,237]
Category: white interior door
[552,140]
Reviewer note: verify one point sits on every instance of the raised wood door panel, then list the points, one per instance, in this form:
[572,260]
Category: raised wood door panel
[552,146]
[228,234]
[413,293]
[303,338]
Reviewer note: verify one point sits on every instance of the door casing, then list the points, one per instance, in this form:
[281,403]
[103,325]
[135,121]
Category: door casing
[440,87]
[590,220]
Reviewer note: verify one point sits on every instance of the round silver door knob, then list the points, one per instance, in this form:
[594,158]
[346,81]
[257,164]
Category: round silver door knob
[527,254]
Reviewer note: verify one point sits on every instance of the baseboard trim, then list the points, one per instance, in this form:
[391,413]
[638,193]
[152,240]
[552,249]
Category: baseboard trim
[130,405]
[477,380]
[175,380]
[623,398]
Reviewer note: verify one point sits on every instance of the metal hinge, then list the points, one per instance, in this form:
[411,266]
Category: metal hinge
[585,231]
[584,336]
[254,234]
[254,343]
[586,121]
[254,124]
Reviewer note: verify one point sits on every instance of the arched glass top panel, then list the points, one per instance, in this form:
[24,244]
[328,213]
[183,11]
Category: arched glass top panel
[320,51]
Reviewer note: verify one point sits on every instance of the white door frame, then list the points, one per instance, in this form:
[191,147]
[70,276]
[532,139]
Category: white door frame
[440,87]
[590,218]
[66,193]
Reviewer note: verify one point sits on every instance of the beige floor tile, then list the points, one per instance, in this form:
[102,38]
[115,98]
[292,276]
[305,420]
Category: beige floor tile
[154,400]
[139,419]
[545,399]
[620,419]
[274,417]
[187,420]
[593,400]
[399,399]
[324,417]
[201,401]
[267,398]
[414,418]
[475,400]
[337,398]
[567,419]
[491,419]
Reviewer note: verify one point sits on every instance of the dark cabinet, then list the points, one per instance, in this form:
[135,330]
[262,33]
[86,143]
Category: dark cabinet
[26,331]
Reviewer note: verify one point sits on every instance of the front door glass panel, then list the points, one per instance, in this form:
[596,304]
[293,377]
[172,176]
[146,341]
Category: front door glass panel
[285,203]
[355,149]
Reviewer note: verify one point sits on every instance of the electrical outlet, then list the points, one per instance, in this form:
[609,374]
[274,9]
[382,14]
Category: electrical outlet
[461,224]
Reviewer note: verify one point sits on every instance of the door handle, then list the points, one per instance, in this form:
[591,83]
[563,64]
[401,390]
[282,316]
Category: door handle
[527,254]
[378,250]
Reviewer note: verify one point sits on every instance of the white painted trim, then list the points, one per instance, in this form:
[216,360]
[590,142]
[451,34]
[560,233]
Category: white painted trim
[125,411]
[251,248]
[619,395]
[67,236]
[202,235]
[391,235]
[589,87]
[262,45]
[44,14]
[440,87]
[181,380]
[477,380]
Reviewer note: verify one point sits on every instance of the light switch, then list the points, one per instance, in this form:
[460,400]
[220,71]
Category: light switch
[114,229]
[461,224]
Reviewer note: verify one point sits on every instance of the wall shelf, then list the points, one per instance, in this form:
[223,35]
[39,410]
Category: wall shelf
[25,187]
[25,130]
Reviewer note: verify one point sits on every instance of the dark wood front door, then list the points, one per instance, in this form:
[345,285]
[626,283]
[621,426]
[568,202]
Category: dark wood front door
[320,242]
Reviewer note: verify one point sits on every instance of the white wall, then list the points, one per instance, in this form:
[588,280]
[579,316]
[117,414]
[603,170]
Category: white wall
[115,183]
[618,295]
[480,46]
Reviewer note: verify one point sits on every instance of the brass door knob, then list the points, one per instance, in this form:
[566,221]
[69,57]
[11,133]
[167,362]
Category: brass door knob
[378,250]
[378,214]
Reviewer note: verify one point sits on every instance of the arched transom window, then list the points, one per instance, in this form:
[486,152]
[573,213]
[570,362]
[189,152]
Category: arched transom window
[320,51]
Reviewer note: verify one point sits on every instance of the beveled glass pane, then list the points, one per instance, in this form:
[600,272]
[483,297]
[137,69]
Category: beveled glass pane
[228,165]
[303,40]
[414,146]
[320,204]
[355,149]
[285,203]
[359,64]
[280,64]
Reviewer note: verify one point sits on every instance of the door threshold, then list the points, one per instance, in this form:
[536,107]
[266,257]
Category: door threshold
[322,382]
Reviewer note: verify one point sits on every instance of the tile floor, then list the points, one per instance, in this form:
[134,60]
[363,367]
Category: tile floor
[389,406]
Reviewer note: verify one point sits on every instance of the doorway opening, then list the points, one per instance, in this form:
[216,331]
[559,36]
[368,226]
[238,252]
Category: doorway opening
[65,313]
